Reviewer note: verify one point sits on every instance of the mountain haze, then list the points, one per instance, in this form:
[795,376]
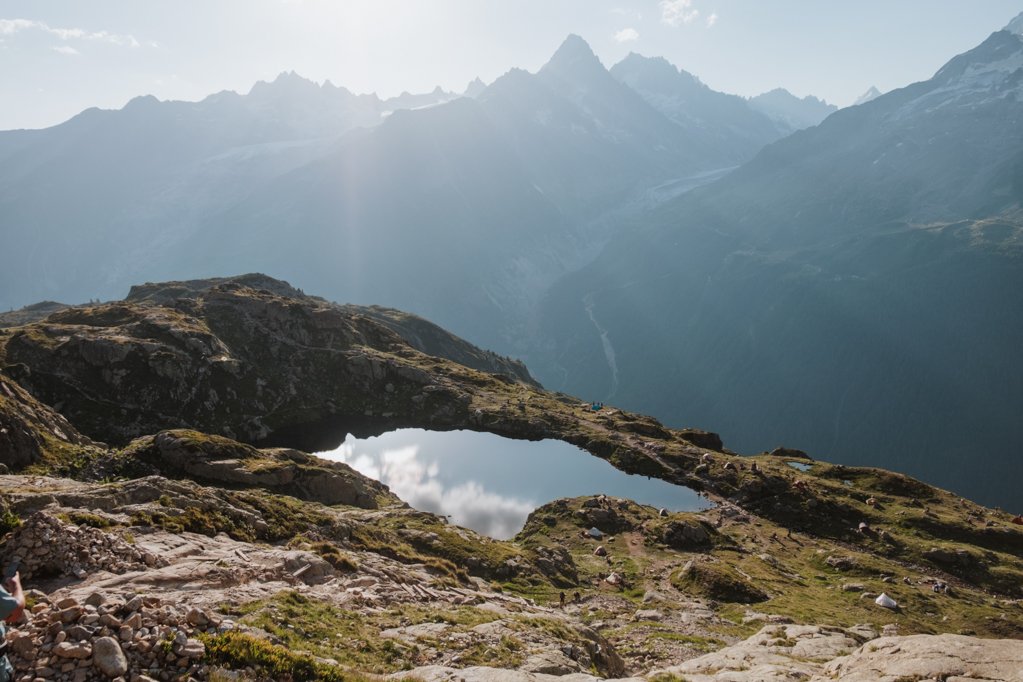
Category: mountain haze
[461,209]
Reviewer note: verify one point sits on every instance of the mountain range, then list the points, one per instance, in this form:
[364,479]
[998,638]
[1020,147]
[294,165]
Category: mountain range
[841,281]
[490,198]
[854,290]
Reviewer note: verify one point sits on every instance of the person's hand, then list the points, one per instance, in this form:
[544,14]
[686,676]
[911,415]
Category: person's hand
[13,583]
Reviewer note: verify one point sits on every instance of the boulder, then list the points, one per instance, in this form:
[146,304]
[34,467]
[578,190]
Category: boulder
[841,563]
[551,662]
[702,439]
[108,657]
[685,534]
[929,657]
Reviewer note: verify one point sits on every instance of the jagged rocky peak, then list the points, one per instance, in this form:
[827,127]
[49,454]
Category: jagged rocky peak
[871,94]
[1016,25]
[781,94]
[989,70]
[475,87]
[654,74]
[574,59]
[287,82]
[796,112]
[635,61]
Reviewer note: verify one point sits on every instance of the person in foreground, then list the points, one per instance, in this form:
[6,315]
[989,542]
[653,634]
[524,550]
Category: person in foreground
[12,603]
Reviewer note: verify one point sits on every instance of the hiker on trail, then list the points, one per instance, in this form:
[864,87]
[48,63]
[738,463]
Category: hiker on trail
[562,596]
[12,604]
[576,597]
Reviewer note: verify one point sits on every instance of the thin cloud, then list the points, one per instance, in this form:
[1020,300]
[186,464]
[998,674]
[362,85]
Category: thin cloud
[712,19]
[12,26]
[627,35]
[678,12]
[66,49]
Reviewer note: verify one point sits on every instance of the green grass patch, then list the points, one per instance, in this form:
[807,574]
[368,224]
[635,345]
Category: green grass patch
[320,629]
[240,650]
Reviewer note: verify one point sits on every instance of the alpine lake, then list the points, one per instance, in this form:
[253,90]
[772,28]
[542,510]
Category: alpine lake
[491,484]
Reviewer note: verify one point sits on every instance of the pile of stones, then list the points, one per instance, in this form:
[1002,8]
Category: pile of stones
[126,638]
[47,546]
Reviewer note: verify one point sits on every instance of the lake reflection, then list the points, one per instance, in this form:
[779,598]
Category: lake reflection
[491,484]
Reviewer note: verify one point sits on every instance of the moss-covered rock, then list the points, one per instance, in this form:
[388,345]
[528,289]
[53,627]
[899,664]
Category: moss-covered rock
[718,581]
[216,459]
[31,432]
[683,533]
[254,364]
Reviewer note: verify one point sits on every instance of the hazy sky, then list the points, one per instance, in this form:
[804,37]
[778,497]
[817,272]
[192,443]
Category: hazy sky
[58,57]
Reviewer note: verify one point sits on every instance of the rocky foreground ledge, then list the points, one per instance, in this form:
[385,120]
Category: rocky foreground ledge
[172,528]
[168,597]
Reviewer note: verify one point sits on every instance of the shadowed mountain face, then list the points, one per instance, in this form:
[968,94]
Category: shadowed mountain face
[855,290]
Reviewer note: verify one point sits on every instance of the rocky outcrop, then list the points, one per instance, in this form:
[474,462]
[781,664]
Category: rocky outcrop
[439,673]
[715,580]
[777,653]
[797,653]
[246,363]
[684,534]
[421,334]
[703,439]
[219,460]
[929,657]
[31,431]
[30,313]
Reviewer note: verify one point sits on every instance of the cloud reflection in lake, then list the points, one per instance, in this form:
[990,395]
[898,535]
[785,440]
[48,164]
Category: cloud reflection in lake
[415,480]
[491,484]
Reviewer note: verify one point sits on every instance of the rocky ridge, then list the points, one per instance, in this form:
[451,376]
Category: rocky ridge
[304,569]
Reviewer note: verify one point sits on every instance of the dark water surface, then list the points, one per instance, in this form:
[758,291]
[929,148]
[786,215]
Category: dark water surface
[489,483]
